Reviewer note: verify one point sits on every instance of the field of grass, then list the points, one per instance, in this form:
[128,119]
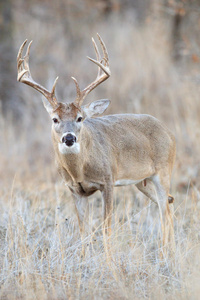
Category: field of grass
[41,248]
[40,245]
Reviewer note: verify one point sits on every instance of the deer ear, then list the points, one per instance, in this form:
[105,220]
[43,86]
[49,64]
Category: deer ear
[95,108]
[47,105]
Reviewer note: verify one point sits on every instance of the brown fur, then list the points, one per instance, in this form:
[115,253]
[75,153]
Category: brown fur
[66,111]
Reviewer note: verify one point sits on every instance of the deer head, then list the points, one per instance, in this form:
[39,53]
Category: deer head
[68,118]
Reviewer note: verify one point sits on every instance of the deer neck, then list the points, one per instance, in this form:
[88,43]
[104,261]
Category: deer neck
[73,163]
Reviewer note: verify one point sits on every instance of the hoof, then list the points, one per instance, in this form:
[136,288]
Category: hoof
[170,199]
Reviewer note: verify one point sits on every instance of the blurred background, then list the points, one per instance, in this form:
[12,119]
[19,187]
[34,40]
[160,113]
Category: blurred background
[154,50]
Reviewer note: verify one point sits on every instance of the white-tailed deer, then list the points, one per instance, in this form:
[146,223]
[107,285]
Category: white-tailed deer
[102,152]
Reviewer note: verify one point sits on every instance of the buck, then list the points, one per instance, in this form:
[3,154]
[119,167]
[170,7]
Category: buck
[98,153]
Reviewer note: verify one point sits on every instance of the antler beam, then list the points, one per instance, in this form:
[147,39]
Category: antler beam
[24,75]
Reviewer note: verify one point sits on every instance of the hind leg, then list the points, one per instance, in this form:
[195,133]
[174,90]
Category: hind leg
[157,189]
[162,184]
[147,188]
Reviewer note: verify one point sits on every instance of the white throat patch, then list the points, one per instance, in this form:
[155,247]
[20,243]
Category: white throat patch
[64,149]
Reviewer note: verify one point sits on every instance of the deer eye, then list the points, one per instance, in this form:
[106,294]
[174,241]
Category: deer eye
[55,120]
[79,119]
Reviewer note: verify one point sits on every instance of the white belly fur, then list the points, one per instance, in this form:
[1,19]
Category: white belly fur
[122,182]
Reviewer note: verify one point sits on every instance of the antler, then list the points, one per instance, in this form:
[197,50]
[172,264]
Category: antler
[103,66]
[24,75]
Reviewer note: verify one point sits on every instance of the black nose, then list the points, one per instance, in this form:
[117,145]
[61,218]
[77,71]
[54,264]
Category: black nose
[69,139]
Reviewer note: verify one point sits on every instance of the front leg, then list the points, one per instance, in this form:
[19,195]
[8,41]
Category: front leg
[81,207]
[107,195]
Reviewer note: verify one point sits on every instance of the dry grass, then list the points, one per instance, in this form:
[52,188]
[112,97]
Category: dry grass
[40,246]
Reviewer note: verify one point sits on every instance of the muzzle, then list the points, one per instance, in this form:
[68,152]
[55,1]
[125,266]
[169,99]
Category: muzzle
[69,139]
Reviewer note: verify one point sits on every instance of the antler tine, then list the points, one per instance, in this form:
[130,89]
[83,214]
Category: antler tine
[78,91]
[97,55]
[105,52]
[54,87]
[19,55]
[104,68]
[20,60]
[26,58]
[24,75]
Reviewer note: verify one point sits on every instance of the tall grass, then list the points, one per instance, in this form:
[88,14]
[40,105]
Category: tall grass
[41,249]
